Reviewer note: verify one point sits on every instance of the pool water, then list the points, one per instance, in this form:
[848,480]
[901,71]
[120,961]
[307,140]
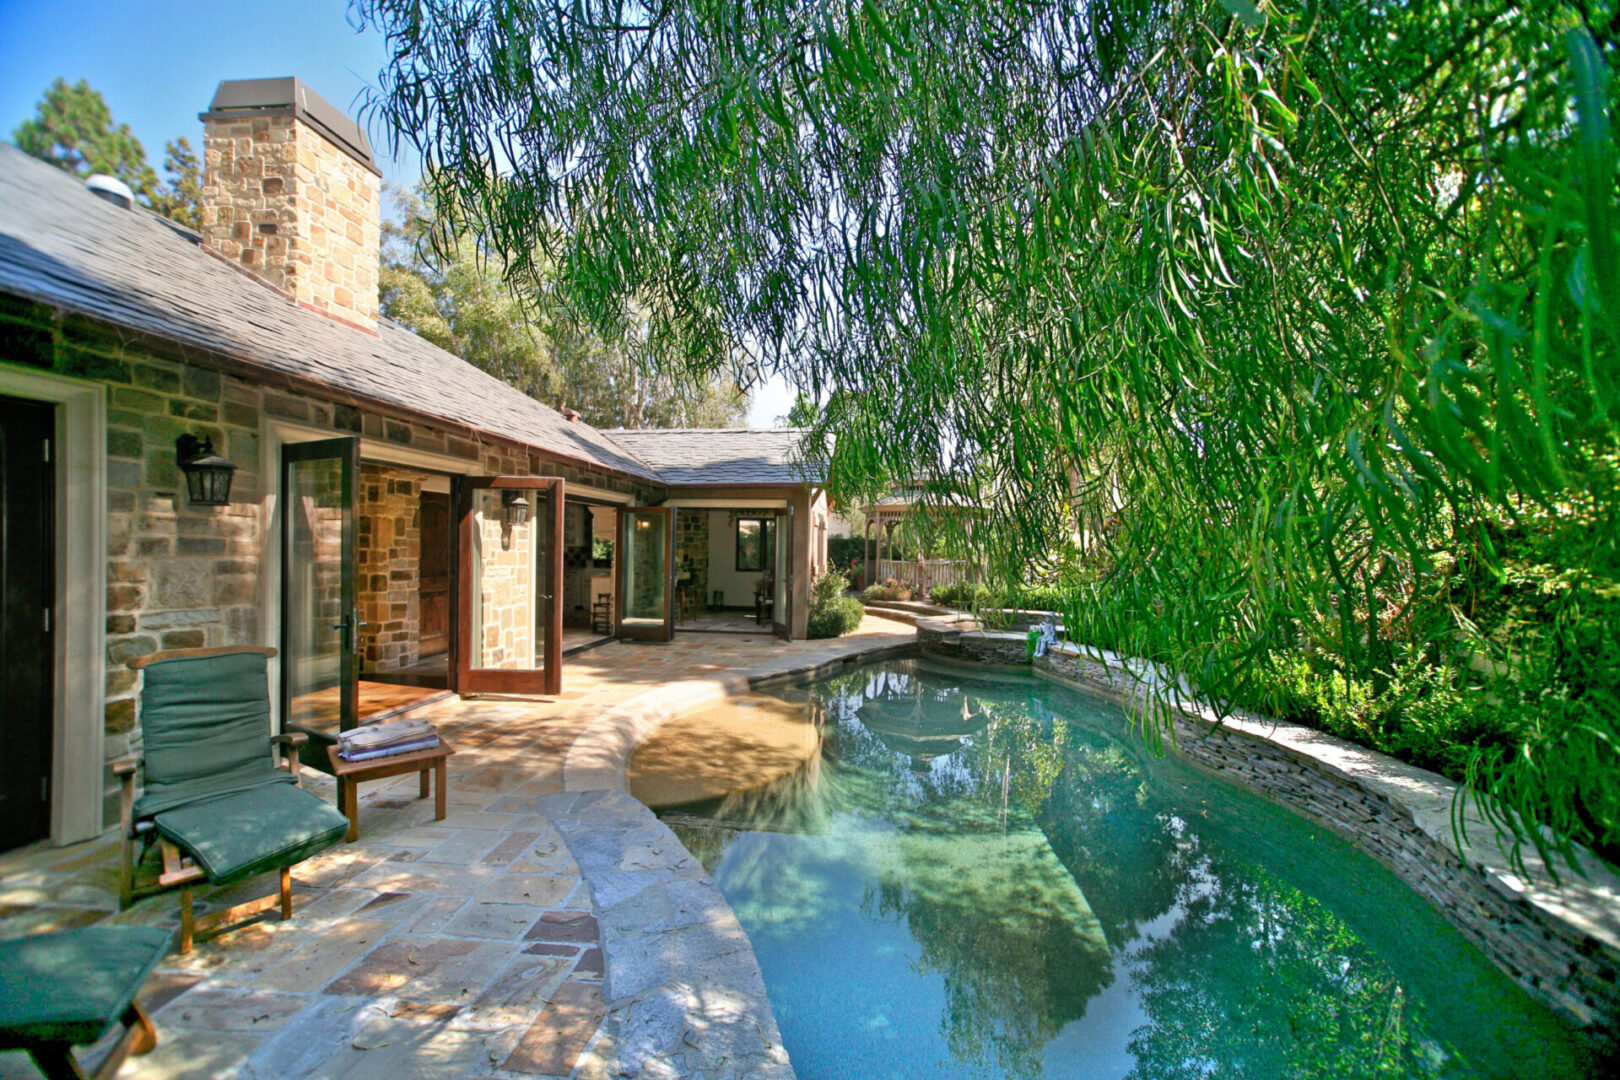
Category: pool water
[996,879]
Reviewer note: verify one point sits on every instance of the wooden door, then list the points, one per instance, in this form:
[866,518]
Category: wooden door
[433,587]
[27,645]
[508,637]
[782,604]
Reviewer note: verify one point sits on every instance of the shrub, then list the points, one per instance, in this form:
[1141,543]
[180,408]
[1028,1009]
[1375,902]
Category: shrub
[889,590]
[845,552]
[964,595]
[832,614]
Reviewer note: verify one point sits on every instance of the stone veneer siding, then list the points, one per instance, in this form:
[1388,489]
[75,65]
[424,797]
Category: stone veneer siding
[283,201]
[692,551]
[180,576]
[505,556]
[388,549]
[1554,959]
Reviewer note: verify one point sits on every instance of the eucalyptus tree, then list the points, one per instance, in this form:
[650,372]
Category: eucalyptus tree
[1308,309]
[459,300]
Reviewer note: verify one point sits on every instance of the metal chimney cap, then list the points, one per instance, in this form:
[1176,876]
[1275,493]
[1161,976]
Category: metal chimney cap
[244,99]
[112,189]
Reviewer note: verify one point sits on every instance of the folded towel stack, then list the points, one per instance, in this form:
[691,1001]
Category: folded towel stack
[386,740]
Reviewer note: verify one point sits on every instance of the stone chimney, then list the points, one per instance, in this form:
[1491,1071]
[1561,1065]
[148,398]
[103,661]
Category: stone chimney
[291,191]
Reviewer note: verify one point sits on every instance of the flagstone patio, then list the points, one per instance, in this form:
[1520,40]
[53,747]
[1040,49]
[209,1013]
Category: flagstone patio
[471,946]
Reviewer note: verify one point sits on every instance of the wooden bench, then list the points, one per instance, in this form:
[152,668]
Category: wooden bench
[350,774]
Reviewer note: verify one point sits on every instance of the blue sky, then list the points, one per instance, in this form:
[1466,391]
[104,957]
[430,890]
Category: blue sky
[157,64]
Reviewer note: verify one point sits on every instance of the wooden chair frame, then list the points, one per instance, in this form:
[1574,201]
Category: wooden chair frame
[56,1060]
[180,872]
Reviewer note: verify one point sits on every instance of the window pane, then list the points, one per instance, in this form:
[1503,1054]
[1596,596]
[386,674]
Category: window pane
[750,544]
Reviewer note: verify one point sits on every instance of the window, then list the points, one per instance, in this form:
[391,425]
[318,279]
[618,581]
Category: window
[755,544]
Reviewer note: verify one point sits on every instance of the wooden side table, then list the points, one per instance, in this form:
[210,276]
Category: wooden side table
[350,774]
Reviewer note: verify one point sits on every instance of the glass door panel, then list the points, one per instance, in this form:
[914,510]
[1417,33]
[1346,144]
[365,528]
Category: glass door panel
[509,632]
[782,577]
[318,673]
[646,569]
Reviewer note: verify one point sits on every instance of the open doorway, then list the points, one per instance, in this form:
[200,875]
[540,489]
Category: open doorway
[726,569]
[366,563]
[589,531]
[402,590]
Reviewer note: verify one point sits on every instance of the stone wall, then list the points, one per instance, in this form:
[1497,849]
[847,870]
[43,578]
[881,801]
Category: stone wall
[283,201]
[388,548]
[1552,940]
[948,638]
[692,551]
[504,556]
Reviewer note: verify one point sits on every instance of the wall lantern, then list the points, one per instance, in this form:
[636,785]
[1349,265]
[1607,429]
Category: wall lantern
[517,507]
[208,475]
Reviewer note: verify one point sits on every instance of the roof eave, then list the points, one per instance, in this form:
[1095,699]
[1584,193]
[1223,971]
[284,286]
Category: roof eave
[244,366]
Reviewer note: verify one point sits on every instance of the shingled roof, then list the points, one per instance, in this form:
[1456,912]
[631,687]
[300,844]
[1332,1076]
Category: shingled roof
[693,456]
[60,245]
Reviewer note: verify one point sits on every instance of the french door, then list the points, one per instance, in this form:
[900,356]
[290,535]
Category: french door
[508,628]
[782,577]
[646,558]
[319,688]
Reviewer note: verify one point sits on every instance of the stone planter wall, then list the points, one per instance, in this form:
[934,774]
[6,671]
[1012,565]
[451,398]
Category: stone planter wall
[1559,941]
[960,638]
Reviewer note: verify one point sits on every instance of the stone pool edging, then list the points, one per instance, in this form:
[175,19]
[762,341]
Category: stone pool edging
[685,994]
[1559,942]
[684,991]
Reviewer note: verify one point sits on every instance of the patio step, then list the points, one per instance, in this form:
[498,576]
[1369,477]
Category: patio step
[905,611]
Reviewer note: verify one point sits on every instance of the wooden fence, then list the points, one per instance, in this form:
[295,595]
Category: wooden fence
[922,576]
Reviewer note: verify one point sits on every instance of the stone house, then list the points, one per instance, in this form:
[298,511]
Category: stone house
[400,525]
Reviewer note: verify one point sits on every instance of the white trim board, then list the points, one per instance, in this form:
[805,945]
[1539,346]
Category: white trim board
[78,764]
[587,491]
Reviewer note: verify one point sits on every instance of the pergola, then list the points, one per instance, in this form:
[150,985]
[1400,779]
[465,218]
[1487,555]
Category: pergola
[885,515]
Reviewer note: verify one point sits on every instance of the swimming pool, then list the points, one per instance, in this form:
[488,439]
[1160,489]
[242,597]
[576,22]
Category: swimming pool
[984,879]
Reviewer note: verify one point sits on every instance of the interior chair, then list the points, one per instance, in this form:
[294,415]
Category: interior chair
[69,988]
[602,614]
[217,807]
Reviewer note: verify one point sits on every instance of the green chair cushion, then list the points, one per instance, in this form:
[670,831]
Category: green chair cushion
[72,986]
[205,729]
[249,832]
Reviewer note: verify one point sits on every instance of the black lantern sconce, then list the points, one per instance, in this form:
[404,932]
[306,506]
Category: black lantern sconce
[517,508]
[208,475]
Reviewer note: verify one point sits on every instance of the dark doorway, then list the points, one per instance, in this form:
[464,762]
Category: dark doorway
[27,627]
[433,582]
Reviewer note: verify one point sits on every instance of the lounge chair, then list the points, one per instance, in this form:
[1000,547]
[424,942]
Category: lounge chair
[216,805]
[69,989]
